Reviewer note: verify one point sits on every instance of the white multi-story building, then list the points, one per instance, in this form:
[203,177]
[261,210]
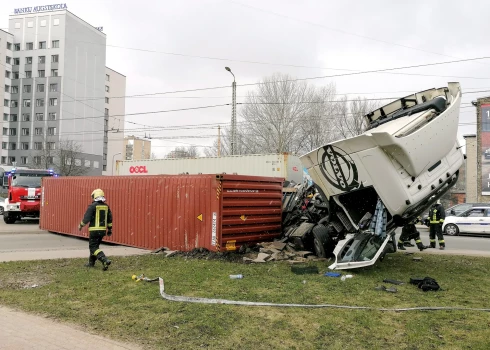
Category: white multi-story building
[115,89]
[6,40]
[58,91]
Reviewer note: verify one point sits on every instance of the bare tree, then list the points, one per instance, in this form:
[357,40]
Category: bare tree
[65,156]
[350,119]
[184,152]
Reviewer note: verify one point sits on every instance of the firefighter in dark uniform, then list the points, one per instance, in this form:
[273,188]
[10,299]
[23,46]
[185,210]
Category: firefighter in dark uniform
[409,232]
[99,218]
[436,219]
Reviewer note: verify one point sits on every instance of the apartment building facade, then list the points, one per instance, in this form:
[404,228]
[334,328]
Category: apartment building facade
[115,90]
[136,148]
[57,90]
[6,47]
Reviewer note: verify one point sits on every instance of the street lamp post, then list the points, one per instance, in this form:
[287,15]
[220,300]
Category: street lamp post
[112,165]
[233,114]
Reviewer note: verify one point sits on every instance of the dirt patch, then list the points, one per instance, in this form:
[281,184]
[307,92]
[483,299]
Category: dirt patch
[24,280]
[204,254]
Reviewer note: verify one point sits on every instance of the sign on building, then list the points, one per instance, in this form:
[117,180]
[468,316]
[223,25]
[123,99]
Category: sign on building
[485,148]
[40,8]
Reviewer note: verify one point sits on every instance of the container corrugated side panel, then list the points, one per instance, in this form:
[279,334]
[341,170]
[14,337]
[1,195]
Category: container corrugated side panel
[149,212]
[251,210]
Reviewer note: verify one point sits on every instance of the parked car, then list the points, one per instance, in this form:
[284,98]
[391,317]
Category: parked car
[2,205]
[454,211]
[475,220]
[487,153]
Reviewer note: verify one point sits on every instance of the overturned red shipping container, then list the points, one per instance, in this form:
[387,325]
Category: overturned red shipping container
[181,212]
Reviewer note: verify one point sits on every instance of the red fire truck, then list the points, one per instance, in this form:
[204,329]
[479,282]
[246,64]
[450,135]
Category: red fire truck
[24,193]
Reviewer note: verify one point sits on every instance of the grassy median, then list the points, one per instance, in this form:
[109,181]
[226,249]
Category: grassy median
[111,304]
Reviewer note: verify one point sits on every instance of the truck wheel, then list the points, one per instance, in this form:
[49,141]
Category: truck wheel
[322,244]
[9,219]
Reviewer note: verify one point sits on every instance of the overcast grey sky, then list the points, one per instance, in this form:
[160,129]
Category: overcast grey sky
[358,35]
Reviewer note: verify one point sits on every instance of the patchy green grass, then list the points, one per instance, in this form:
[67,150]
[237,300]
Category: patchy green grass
[111,304]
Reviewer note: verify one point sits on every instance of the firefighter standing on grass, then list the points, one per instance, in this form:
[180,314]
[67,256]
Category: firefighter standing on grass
[409,232]
[99,218]
[436,219]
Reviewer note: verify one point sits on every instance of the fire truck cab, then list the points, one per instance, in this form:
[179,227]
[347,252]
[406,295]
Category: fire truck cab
[24,193]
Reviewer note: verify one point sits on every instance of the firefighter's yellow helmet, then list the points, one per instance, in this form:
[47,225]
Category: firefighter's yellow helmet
[97,193]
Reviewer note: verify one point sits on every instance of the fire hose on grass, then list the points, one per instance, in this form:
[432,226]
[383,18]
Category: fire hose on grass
[252,303]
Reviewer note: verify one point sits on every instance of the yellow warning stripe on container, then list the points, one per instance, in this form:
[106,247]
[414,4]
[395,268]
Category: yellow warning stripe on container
[243,217]
[230,245]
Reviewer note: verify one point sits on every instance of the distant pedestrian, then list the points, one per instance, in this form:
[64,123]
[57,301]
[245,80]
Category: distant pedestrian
[436,219]
[99,218]
[409,232]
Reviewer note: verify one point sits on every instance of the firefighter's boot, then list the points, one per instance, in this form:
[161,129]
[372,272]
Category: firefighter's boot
[432,243]
[91,261]
[421,246]
[401,246]
[408,244]
[103,259]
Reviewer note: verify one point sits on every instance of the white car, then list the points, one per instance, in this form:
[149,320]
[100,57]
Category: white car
[475,220]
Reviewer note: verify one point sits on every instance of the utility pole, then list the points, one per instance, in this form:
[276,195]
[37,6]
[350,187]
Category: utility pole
[233,114]
[219,141]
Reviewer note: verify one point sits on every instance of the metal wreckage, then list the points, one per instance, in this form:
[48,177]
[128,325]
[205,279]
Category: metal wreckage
[366,186]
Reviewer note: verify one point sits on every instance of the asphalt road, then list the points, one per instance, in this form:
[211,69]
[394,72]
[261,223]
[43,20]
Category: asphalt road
[25,241]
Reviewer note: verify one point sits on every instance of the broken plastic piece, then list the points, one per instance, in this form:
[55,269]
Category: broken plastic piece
[393,281]
[332,274]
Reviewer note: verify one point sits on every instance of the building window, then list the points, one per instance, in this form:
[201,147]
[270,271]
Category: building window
[29,46]
[53,87]
[27,88]
[54,72]
[68,161]
[11,160]
[14,89]
[4,160]
[7,74]
[53,101]
[28,60]
[16,61]
[12,146]
[38,145]
[28,74]
[39,117]
[56,22]
[78,162]
[7,88]
[23,160]
[16,75]
[42,45]
[42,59]
[106,111]
[107,77]
[8,59]
[52,116]
[25,131]
[5,117]
[40,88]
[50,145]
[5,131]
[12,131]
[26,102]
[38,131]
[9,46]
[107,100]
[13,117]
[96,164]
[87,163]
[106,88]
[106,122]
[30,24]
[14,104]
[55,58]
[5,145]
[105,156]
[55,44]
[26,117]
[51,131]
[6,103]
[39,103]
[25,145]
[37,160]
[43,23]
[41,73]
[104,167]
[16,47]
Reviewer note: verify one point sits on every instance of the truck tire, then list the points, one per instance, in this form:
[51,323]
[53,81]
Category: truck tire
[9,219]
[322,243]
